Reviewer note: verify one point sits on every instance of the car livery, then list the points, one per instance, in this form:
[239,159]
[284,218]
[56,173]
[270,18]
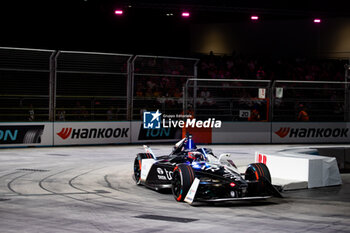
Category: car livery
[196,174]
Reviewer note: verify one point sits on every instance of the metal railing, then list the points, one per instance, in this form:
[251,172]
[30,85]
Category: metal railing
[91,86]
[263,100]
[24,84]
[48,85]
[323,101]
[157,83]
[227,99]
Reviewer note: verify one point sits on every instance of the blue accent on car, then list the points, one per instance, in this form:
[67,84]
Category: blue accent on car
[204,153]
[196,165]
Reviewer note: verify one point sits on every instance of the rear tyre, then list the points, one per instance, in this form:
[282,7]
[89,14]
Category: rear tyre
[137,170]
[183,177]
[260,173]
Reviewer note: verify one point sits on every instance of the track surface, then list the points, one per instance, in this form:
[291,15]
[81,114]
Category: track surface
[90,189]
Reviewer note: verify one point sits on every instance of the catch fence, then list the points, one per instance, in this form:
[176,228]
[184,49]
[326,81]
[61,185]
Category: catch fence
[48,85]
[259,100]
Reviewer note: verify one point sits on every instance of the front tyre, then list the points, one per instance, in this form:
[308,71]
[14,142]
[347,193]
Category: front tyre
[260,173]
[138,166]
[183,177]
[257,171]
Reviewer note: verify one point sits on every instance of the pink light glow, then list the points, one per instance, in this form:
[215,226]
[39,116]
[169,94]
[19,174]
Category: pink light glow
[118,12]
[317,20]
[254,17]
[185,14]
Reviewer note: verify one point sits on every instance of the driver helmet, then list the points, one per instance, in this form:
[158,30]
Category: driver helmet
[195,156]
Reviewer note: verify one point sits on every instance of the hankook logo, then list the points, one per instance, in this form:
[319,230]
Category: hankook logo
[85,133]
[312,132]
[65,133]
[282,132]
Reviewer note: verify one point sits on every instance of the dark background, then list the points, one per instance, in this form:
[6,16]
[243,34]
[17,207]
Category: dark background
[90,25]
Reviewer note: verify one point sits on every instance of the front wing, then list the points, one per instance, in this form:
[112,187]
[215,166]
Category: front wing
[233,199]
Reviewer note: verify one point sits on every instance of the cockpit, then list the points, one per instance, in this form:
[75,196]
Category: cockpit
[187,149]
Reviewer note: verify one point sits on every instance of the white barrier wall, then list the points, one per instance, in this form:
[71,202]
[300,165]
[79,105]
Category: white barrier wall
[141,135]
[284,167]
[84,133]
[316,171]
[25,134]
[310,132]
[242,132]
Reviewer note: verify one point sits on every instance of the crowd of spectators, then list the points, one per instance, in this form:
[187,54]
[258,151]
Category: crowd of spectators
[270,68]
[167,89]
[232,67]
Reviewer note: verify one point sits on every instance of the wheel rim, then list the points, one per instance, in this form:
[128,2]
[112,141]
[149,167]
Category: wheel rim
[137,170]
[176,184]
[250,174]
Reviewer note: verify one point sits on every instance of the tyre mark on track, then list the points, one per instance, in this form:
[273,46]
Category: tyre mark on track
[70,182]
[9,184]
[9,174]
[109,185]
[47,177]
[85,192]
[99,194]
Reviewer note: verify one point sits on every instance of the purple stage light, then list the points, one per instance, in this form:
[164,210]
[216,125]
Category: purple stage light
[317,20]
[254,17]
[118,12]
[185,14]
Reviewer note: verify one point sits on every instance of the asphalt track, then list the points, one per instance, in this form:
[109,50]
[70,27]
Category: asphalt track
[90,189]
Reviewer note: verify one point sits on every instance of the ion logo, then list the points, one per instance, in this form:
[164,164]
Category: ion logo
[282,132]
[151,120]
[8,135]
[21,134]
[65,133]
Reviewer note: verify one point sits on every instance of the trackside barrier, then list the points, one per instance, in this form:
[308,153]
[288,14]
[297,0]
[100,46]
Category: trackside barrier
[296,170]
[114,132]
[80,133]
[26,134]
[141,135]
[242,132]
[310,132]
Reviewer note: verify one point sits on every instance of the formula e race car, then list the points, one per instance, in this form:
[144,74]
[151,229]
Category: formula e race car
[196,174]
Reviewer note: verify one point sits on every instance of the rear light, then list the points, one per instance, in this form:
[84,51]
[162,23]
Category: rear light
[232,184]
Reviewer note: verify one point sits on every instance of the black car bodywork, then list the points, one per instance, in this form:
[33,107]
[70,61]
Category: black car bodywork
[217,179]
